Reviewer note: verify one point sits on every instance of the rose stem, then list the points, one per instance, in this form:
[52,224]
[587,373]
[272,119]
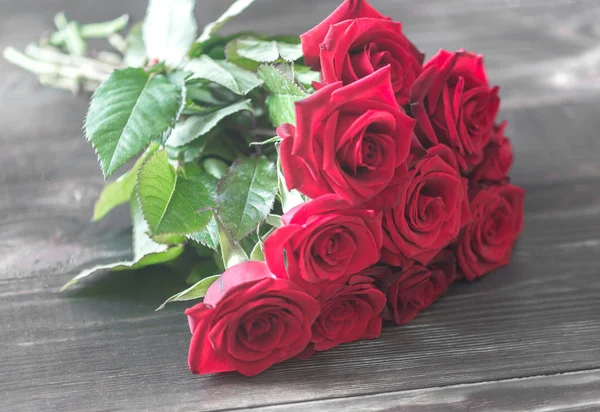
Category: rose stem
[58,69]
[94,30]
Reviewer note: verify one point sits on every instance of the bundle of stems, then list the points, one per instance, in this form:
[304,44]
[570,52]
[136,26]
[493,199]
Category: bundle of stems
[61,59]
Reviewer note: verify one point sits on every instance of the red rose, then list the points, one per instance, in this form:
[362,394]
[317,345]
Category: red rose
[350,140]
[432,210]
[353,49]
[325,242]
[486,243]
[249,320]
[411,289]
[348,313]
[349,9]
[497,159]
[454,105]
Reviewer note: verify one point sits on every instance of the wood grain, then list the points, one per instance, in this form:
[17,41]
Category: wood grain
[102,347]
[569,391]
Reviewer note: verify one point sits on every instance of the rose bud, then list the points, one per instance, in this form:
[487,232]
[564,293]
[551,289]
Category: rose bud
[411,289]
[353,49]
[486,243]
[348,313]
[325,241]
[349,9]
[350,140]
[249,320]
[433,209]
[497,159]
[454,105]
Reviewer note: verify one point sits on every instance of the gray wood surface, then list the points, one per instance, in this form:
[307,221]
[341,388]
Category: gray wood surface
[524,338]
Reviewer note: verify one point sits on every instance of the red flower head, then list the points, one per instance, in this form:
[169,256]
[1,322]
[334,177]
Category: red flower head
[350,140]
[354,49]
[486,243]
[249,320]
[349,9]
[454,105]
[433,209]
[497,159]
[415,287]
[324,242]
[348,313]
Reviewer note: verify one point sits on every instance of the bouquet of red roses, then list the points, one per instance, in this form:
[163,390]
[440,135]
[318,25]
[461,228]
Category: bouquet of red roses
[386,180]
[405,172]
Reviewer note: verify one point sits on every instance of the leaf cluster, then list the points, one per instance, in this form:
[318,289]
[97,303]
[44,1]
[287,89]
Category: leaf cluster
[199,117]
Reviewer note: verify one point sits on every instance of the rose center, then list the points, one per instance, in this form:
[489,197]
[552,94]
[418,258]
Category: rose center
[333,247]
[427,213]
[371,153]
[422,295]
[496,229]
[362,156]
[382,59]
[258,325]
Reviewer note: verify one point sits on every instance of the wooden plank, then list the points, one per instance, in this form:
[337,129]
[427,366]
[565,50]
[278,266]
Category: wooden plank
[538,316]
[569,391]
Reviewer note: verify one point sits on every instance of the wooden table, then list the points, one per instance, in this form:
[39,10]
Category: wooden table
[526,337]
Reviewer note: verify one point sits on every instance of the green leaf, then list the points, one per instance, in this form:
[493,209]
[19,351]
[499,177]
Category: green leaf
[143,244]
[192,109]
[196,291]
[169,29]
[209,236]
[246,194]
[224,144]
[305,76]
[120,191]
[274,221]
[289,199]
[146,251]
[135,51]
[148,260]
[177,78]
[233,57]
[258,253]
[283,93]
[267,51]
[169,239]
[258,50]
[282,109]
[126,112]
[224,73]
[278,83]
[289,52]
[236,8]
[215,167]
[228,147]
[199,125]
[170,202]
[232,253]
[215,46]
[198,92]
[209,181]
[190,151]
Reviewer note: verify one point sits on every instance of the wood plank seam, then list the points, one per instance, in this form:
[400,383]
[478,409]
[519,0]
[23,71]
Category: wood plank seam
[426,389]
